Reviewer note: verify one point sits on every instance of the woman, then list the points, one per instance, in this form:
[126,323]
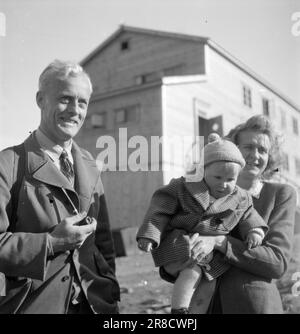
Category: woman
[248,286]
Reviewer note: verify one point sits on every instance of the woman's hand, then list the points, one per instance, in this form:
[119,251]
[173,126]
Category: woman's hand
[201,246]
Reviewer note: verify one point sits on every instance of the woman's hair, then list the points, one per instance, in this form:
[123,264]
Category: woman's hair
[261,124]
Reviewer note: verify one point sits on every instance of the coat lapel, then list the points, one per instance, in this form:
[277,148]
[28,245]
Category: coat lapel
[225,203]
[200,192]
[87,175]
[41,167]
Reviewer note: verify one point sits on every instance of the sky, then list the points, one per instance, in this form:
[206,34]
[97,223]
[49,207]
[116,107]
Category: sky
[34,32]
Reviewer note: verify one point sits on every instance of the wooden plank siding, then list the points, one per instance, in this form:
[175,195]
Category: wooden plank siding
[202,76]
[114,69]
[127,192]
[228,80]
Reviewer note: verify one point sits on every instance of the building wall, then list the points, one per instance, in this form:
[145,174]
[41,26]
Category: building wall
[222,94]
[183,103]
[179,120]
[128,196]
[147,122]
[127,192]
[227,81]
[179,125]
[149,55]
[170,109]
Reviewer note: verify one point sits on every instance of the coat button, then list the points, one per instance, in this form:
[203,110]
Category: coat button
[65,278]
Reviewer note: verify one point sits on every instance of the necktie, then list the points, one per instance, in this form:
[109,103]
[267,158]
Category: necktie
[66,166]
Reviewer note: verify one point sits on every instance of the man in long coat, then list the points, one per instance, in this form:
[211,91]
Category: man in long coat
[56,247]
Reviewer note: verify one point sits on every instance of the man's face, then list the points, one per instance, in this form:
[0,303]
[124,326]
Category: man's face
[63,105]
[221,177]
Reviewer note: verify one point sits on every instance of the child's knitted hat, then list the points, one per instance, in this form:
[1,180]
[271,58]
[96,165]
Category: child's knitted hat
[219,149]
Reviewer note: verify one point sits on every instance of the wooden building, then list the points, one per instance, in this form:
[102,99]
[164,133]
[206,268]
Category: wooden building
[161,84]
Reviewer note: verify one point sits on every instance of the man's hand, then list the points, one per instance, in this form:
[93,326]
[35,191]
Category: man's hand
[145,244]
[68,235]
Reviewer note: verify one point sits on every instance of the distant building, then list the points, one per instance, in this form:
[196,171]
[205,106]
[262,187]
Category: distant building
[156,83]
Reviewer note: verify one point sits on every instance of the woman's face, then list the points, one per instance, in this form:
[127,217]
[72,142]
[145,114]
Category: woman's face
[255,147]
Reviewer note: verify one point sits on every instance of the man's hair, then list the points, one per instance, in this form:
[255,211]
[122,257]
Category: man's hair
[261,124]
[61,69]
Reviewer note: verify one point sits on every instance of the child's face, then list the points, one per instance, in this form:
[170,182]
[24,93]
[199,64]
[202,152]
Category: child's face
[221,177]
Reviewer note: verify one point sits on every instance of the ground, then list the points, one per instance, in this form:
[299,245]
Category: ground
[143,291]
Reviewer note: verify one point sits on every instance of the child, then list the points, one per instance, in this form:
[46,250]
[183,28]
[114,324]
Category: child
[212,206]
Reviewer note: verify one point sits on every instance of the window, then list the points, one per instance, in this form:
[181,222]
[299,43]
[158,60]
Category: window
[127,114]
[285,162]
[120,116]
[125,46]
[147,77]
[173,70]
[140,79]
[283,119]
[98,120]
[247,98]
[297,165]
[295,126]
[266,107]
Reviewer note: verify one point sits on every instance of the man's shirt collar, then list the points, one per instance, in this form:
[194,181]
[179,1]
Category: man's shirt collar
[52,149]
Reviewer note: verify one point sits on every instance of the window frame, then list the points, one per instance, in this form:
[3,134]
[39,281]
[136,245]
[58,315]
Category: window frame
[295,125]
[102,114]
[247,96]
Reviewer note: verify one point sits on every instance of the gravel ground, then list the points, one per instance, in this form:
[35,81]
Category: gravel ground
[143,291]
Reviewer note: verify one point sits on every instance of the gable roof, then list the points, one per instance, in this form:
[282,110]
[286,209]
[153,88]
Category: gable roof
[191,38]
[124,28]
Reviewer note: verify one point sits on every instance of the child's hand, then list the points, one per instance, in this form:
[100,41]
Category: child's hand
[254,239]
[145,244]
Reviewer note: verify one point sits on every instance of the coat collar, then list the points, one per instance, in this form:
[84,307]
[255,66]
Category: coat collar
[87,176]
[41,168]
[52,149]
[200,192]
[257,190]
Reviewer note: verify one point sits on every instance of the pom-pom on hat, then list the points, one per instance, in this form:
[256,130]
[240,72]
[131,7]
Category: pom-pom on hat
[219,149]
